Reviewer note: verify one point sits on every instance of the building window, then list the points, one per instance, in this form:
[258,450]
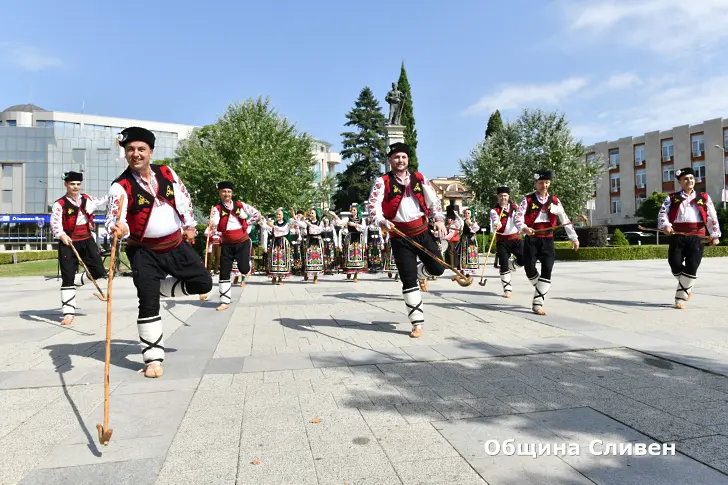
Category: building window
[699,169]
[616,206]
[8,196]
[668,173]
[614,181]
[639,154]
[640,178]
[668,150]
[638,201]
[698,142]
[591,157]
[78,155]
[44,123]
[7,171]
[614,158]
[12,123]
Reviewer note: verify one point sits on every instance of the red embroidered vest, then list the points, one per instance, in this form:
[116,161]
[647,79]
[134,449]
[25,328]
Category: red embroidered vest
[225,216]
[534,208]
[69,215]
[700,201]
[504,216]
[394,191]
[140,202]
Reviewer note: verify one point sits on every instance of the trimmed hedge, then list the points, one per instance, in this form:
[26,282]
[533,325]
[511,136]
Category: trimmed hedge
[23,256]
[621,253]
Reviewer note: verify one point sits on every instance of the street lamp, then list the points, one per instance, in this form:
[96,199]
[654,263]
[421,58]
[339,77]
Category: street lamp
[723,194]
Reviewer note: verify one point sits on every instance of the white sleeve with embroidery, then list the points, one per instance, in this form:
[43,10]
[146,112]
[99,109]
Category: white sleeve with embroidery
[662,219]
[374,204]
[493,220]
[252,212]
[96,203]
[316,229]
[713,224]
[183,201]
[214,218]
[57,221]
[281,231]
[112,207]
[520,214]
[558,209]
[433,201]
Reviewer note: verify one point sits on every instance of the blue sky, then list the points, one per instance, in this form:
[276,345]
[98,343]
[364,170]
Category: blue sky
[615,67]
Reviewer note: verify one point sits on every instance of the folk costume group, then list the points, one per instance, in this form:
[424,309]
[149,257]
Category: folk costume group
[158,224]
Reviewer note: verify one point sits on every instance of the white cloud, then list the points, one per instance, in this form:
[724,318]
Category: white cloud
[666,26]
[623,81]
[520,95]
[27,57]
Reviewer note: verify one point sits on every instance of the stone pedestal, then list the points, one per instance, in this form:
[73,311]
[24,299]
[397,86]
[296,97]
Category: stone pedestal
[394,134]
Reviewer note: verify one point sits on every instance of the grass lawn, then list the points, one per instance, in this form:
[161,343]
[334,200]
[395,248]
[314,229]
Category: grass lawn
[48,267]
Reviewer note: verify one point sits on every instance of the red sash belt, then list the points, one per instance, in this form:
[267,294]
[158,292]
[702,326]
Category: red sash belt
[162,244]
[80,233]
[507,237]
[692,228]
[411,228]
[236,236]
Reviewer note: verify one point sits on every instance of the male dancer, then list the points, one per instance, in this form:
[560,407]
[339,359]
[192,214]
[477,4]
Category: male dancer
[157,217]
[232,219]
[537,213]
[687,213]
[405,200]
[507,238]
[71,222]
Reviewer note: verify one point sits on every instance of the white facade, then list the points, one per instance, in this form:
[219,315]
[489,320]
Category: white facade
[641,165]
[326,160]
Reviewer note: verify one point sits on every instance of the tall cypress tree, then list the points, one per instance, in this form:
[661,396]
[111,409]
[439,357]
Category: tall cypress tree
[495,123]
[408,118]
[364,149]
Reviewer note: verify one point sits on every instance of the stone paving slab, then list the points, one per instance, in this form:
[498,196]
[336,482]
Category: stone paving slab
[323,384]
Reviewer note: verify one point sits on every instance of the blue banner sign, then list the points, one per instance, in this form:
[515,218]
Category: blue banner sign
[35,218]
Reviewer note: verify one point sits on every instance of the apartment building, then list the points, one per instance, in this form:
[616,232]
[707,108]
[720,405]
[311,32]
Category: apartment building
[641,165]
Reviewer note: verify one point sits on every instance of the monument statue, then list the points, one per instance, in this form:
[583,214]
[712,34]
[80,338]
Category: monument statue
[396,99]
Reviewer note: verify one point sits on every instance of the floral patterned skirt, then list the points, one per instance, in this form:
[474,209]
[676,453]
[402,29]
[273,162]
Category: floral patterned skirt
[469,255]
[374,254]
[279,259]
[389,265]
[329,256]
[354,257]
[314,257]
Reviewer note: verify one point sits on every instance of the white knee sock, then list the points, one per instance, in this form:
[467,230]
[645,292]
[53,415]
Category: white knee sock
[685,284]
[422,273]
[506,281]
[541,288]
[151,338]
[225,288]
[171,287]
[68,300]
[413,304]
[80,279]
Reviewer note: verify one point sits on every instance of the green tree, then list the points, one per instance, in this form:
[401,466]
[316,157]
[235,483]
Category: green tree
[495,123]
[618,239]
[536,140]
[268,160]
[165,161]
[408,118]
[364,148]
[650,208]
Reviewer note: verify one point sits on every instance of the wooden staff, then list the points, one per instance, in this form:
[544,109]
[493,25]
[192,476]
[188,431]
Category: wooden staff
[461,279]
[105,431]
[705,239]
[100,294]
[483,279]
[547,229]
[207,244]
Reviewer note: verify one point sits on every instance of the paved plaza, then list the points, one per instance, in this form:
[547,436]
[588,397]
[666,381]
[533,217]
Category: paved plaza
[321,384]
